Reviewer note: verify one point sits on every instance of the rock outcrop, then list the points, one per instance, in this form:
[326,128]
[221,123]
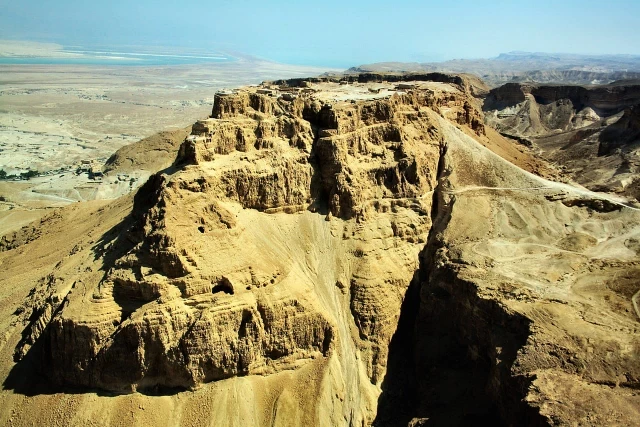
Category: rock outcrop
[590,133]
[331,253]
[623,134]
[605,99]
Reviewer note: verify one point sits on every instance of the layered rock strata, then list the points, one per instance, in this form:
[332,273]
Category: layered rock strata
[360,252]
[590,133]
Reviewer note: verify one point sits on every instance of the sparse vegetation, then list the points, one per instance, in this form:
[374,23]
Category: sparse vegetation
[24,175]
[29,174]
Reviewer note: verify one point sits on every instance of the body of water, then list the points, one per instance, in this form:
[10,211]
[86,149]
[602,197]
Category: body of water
[117,57]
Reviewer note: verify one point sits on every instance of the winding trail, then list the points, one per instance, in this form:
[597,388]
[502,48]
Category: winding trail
[554,186]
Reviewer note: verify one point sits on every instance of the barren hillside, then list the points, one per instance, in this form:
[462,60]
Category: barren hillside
[591,132]
[525,67]
[325,252]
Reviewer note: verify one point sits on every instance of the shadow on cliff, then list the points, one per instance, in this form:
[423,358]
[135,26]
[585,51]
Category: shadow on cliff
[31,375]
[320,189]
[398,400]
[430,378]
[29,378]
[623,135]
[451,356]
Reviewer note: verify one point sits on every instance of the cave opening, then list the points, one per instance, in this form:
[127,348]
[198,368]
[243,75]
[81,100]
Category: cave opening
[223,285]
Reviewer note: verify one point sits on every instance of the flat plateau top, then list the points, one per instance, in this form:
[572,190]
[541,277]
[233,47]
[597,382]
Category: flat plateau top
[342,92]
[363,91]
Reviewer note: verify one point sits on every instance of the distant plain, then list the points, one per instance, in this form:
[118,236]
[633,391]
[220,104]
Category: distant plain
[55,115]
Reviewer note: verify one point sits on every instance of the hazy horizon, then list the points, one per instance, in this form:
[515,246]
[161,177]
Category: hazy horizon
[338,34]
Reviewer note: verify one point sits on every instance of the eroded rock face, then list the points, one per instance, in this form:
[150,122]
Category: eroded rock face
[605,99]
[193,294]
[623,134]
[590,133]
[360,252]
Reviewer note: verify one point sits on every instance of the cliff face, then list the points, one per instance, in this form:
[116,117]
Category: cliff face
[223,269]
[341,254]
[588,132]
[604,100]
[623,133]
[468,82]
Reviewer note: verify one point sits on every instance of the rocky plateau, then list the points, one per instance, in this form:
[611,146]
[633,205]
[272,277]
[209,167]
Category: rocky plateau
[362,250]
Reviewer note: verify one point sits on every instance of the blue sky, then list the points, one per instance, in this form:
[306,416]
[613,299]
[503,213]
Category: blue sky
[334,33]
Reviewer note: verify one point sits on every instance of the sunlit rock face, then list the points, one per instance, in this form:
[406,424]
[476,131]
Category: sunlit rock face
[348,253]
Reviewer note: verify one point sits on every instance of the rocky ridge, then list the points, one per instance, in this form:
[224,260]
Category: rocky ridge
[590,132]
[351,239]
[523,67]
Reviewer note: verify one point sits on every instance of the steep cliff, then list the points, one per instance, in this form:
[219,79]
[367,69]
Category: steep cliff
[332,253]
[623,134]
[604,100]
[589,132]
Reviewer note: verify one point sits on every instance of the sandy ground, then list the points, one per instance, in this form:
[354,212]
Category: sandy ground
[53,117]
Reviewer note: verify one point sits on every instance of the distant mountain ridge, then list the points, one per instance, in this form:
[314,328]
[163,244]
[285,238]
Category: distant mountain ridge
[528,66]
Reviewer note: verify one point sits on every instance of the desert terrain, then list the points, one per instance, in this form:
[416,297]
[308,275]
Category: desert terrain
[523,67]
[356,250]
[64,120]
[592,133]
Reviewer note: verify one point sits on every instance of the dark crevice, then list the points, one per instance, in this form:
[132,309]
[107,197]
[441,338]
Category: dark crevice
[439,175]
[245,324]
[450,386]
[319,194]
[442,368]
[127,301]
[399,399]
[397,402]
[326,341]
